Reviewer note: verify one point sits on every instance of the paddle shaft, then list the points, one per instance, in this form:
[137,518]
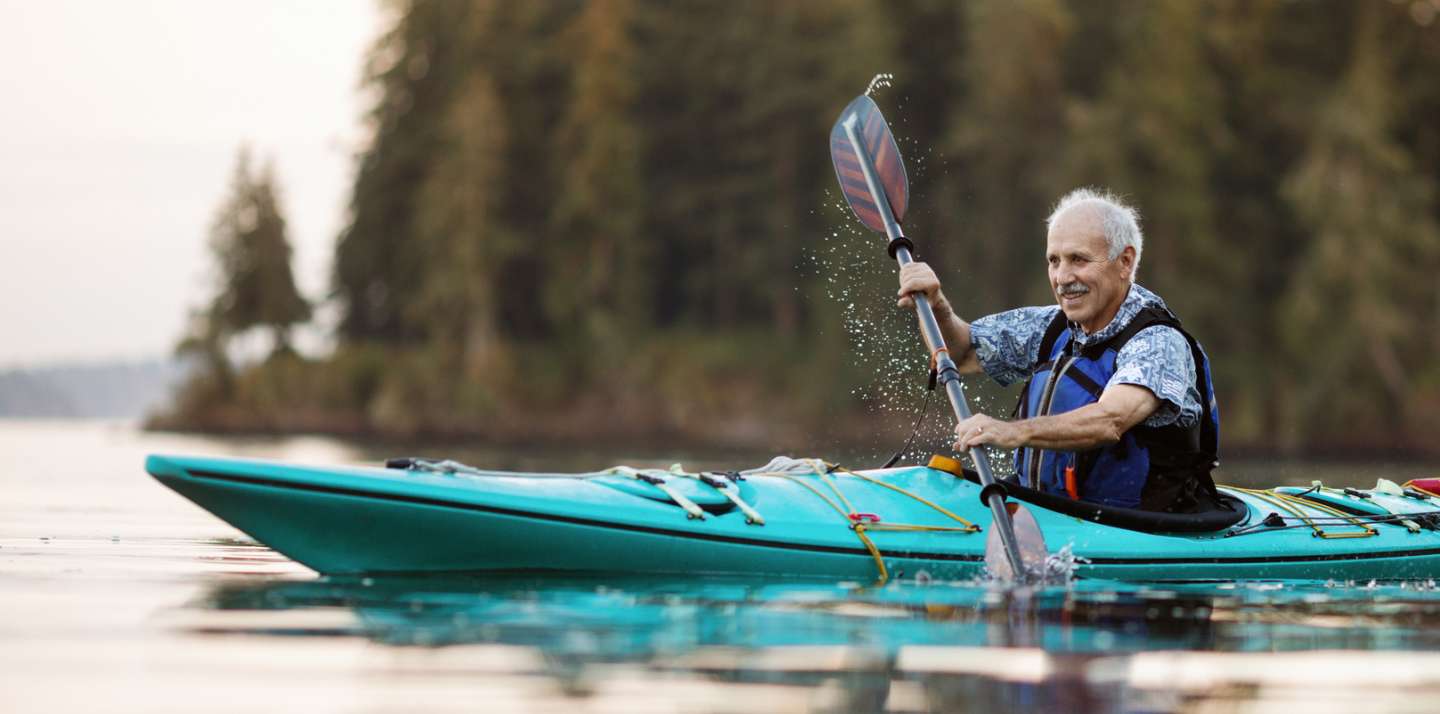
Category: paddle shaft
[944,366]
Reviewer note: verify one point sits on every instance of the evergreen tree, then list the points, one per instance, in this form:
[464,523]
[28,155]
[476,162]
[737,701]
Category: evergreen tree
[250,244]
[256,290]
[416,69]
[1005,142]
[595,253]
[1360,308]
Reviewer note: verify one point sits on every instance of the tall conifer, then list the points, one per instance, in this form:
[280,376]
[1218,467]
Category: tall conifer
[250,244]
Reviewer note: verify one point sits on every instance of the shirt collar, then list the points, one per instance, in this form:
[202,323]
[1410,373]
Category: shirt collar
[1136,299]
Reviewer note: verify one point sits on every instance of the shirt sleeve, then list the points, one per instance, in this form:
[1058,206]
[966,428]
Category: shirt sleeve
[1008,343]
[1158,358]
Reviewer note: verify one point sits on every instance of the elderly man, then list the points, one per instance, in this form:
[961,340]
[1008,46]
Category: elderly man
[1118,407]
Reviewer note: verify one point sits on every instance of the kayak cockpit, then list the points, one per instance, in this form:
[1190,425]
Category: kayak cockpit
[1211,517]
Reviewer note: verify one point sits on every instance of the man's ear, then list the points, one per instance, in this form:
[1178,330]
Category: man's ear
[1127,262]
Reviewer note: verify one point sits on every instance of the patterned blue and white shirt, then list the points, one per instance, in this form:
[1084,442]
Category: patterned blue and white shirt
[1157,357]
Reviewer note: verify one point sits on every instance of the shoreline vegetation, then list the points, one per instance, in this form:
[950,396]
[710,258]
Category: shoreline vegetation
[726,409]
[614,222]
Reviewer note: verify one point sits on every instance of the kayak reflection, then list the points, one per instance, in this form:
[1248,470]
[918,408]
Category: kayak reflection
[636,619]
[923,646]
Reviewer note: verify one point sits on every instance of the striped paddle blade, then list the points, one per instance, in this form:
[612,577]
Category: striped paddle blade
[880,145]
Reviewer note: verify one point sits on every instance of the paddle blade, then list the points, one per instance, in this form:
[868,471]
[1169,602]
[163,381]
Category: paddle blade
[880,145]
[1032,547]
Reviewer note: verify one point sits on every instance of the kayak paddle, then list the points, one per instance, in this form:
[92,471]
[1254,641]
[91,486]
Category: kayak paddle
[872,177]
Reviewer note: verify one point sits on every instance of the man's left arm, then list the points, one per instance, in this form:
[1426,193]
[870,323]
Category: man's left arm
[1120,407]
[1154,383]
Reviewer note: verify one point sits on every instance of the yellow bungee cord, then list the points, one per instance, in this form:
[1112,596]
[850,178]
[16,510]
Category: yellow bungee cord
[862,522]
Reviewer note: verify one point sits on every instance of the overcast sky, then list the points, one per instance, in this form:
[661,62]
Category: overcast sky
[119,126]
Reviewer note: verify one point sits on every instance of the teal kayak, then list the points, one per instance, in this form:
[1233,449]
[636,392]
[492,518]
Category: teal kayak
[814,522]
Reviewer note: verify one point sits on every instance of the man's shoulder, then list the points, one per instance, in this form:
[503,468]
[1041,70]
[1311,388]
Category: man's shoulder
[1008,343]
[1159,333]
[1143,312]
[1158,343]
[1035,317]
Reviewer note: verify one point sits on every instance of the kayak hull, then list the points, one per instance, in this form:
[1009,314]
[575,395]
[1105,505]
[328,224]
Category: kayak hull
[349,534]
[364,520]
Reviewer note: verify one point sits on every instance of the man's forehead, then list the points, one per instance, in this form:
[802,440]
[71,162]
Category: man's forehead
[1079,240]
[1074,244]
[1076,229]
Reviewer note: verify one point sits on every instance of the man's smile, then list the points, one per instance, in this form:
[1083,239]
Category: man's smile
[1071,294]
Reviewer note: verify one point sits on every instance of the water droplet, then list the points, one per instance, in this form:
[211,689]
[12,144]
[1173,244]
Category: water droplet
[880,80]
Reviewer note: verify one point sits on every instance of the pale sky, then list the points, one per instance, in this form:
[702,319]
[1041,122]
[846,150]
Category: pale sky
[119,125]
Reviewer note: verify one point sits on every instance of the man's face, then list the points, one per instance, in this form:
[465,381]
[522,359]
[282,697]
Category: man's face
[1088,285]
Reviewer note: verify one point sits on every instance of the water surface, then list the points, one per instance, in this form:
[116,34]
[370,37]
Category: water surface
[118,595]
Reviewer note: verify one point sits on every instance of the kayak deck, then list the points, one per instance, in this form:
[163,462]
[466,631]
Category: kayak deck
[369,520]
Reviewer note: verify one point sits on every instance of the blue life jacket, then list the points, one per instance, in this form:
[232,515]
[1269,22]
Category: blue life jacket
[1150,468]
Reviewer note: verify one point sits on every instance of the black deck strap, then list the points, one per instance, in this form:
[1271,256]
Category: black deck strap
[647,478]
[405,463]
[1337,506]
[899,242]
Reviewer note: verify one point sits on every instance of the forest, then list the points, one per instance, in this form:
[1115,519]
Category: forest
[615,222]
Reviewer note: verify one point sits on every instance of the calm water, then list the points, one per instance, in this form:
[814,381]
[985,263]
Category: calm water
[117,595]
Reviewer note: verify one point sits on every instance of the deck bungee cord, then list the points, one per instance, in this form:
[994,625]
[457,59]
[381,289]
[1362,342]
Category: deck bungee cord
[862,522]
[1414,521]
[1292,505]
[1276,522]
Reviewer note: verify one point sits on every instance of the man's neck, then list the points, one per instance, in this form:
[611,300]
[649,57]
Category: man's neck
[1104,319]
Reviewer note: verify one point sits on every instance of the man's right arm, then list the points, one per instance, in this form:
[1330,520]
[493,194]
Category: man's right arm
[920,278]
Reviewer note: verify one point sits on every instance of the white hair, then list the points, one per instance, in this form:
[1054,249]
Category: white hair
[1119,222]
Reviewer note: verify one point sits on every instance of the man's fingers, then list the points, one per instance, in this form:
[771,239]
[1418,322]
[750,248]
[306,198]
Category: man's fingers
[916,278]
[970,436]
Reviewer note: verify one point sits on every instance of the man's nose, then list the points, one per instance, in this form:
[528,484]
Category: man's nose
[1064,273]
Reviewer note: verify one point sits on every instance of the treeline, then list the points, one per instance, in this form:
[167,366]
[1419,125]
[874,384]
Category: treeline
[615,220]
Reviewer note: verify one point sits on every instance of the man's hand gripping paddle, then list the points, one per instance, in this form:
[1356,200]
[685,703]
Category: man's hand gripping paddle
[872,177]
